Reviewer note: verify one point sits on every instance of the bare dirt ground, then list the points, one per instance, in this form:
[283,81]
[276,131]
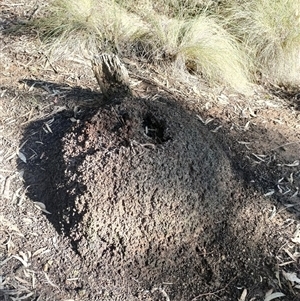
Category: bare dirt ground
[180,192]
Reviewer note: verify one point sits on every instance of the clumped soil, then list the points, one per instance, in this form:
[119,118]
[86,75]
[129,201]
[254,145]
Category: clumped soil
[153,205]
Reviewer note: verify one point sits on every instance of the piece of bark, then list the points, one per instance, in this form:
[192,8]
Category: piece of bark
[111,75]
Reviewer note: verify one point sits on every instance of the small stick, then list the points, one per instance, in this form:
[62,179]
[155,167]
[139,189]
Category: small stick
[286,144]
[208,294]
[213,293]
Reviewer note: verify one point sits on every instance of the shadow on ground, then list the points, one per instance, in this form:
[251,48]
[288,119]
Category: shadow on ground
[290,94]
[73,95]
[152,201]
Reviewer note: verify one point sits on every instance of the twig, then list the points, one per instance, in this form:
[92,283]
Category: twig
[11,4]
[153,83]
[208,294]
[33,12]
[286,144]
[53,68]
[213,293]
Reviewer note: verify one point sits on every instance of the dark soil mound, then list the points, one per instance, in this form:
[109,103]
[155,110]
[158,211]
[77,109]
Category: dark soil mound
[151,204]
[155,183]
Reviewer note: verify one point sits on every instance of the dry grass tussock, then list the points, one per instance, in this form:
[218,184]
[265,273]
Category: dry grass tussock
[197,44]
[270,31]
[201,46]
[227,42]
[89,25]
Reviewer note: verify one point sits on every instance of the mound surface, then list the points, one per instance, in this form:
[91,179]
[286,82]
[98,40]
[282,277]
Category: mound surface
[151,203]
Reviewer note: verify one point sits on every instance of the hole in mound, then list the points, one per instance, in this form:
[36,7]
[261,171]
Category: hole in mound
[154,128]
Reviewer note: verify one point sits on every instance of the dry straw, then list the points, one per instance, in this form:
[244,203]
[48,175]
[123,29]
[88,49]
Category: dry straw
[270,31]
[186,37]
[70,26]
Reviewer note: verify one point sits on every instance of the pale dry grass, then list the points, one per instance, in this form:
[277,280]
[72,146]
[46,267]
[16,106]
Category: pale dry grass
[92,26]
[197,44]
[202,46]
[270,31]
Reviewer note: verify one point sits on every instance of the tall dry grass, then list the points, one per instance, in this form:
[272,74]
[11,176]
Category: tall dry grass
[202,46]
[185,34]
[71,26]
[270,32]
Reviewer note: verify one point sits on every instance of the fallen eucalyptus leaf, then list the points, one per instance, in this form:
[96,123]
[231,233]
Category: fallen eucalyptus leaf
[274,296]
[292,277]
[42,207]
[22,157]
